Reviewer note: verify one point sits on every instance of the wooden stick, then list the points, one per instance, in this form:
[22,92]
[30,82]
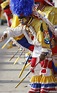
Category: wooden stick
[28,64]
[6,43]
[14,55]
[22,79]
[19,57]
[23,67]
[25,76]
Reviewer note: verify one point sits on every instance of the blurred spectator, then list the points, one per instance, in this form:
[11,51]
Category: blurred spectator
[2,18]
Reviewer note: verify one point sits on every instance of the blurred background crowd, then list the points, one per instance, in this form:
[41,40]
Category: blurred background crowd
[2,17]
[5,12]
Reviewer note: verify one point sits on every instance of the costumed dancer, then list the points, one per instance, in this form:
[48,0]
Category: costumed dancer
[7,12]
[45,83]
[21,39]
[19,35]
[26,20]
[36,87]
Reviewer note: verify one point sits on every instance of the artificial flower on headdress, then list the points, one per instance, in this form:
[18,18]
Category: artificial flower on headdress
[21,7]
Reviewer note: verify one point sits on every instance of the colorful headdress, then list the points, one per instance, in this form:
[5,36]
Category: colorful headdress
[21,7]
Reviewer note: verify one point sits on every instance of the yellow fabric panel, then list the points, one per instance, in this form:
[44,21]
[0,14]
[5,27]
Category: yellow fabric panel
[53,16]
[51,13]
[36,24]
[45,27]
[15,21]
[47,79]
[19,37]
[47,10]
[35,79]
[56,79]
[40,36]
[43,79]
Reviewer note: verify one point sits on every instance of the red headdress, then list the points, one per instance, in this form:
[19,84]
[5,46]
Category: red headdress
[49,2]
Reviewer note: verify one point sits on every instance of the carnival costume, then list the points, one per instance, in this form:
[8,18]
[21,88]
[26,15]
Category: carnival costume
[47,78]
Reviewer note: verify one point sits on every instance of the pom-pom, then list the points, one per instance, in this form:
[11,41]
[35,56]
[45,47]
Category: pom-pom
[21,7]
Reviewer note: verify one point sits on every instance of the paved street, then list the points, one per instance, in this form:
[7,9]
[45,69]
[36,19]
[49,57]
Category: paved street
[9,72]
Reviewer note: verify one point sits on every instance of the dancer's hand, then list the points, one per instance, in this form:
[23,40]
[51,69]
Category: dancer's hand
[55,32]
[3,37]
[32,69]
[42,56]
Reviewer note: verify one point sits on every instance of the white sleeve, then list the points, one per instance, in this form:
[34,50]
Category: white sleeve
[13,32]
[55,32]
[37,51]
